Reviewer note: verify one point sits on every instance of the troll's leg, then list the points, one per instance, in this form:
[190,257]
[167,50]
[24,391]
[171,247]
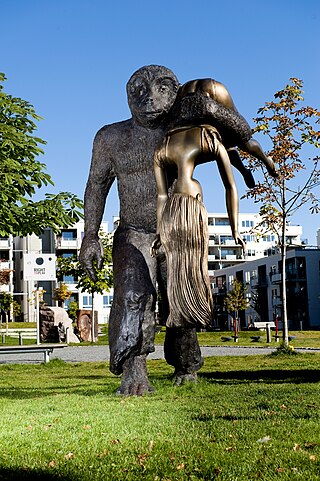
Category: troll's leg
[132,318]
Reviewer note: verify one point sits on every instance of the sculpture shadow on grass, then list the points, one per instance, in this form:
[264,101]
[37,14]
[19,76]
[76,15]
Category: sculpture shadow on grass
[15,474]
[105,388]
[268,376]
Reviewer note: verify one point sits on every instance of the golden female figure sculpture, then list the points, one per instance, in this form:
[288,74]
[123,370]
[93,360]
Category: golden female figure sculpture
[182,220]
[181,216]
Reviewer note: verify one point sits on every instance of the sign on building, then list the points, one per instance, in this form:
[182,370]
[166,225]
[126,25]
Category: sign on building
[39,267]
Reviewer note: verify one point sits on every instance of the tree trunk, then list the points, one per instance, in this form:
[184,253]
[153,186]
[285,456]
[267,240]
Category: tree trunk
[285,333]
[93,337]
[284,296]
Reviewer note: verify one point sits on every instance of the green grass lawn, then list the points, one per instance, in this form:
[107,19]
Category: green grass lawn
[248,418]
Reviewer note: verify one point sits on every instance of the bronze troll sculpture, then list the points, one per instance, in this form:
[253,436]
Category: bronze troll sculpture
[125,151]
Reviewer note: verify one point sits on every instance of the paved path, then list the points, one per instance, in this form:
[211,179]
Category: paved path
[101,353]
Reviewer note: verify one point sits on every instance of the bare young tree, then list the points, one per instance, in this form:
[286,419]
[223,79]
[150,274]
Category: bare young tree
[292,129]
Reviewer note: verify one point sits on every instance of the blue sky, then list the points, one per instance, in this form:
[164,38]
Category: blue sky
[72,58]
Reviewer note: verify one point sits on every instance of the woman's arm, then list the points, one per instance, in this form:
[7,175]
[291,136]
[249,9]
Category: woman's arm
[232,201]
[162,196]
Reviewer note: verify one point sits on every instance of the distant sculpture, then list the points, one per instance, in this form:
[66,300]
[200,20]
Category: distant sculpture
[84,325]
[54,323]
[125,151]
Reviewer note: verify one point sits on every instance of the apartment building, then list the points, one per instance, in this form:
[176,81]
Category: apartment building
[262,279]
[66,244]
[224,252]
[6,265]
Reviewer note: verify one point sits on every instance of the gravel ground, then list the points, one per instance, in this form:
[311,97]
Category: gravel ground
[101,353]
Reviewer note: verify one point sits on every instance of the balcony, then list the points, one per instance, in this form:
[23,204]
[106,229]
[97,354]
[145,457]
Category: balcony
[259,283]
[72,286]
[231,257]
[4,265]
[4,243]
[211,257]
[276,302]
[219,291]
[212,242]
[276,278]
[67,243]
[296,275]
[4,288]
[229,242]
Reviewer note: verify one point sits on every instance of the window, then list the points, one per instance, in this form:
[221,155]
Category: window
[69,235]
[228,252]
[268,238]
[248,237]
[4,256]
[222,221]
[107,301]
[73,298]
[69,279]
[87,301]
[247,223]
[247,276]
[226,239]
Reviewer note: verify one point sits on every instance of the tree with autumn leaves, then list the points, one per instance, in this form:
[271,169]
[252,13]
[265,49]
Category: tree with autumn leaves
[236,301]
[293,130]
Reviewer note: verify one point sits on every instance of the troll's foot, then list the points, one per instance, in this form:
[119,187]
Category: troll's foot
[183,378]
[134,380]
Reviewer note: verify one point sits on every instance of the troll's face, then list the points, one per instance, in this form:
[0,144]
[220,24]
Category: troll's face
[151,92]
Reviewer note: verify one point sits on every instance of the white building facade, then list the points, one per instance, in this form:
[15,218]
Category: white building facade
[6,269]
[65,244]
[224,252]
[6,262]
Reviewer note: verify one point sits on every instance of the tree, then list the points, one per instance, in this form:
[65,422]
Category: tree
[235,300]
[62,293]
[291,127]
[22,175]
[7,304]
[4,275]
[71,266]
[73,307]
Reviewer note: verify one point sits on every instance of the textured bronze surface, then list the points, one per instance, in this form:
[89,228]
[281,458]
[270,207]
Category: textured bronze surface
[125,151]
